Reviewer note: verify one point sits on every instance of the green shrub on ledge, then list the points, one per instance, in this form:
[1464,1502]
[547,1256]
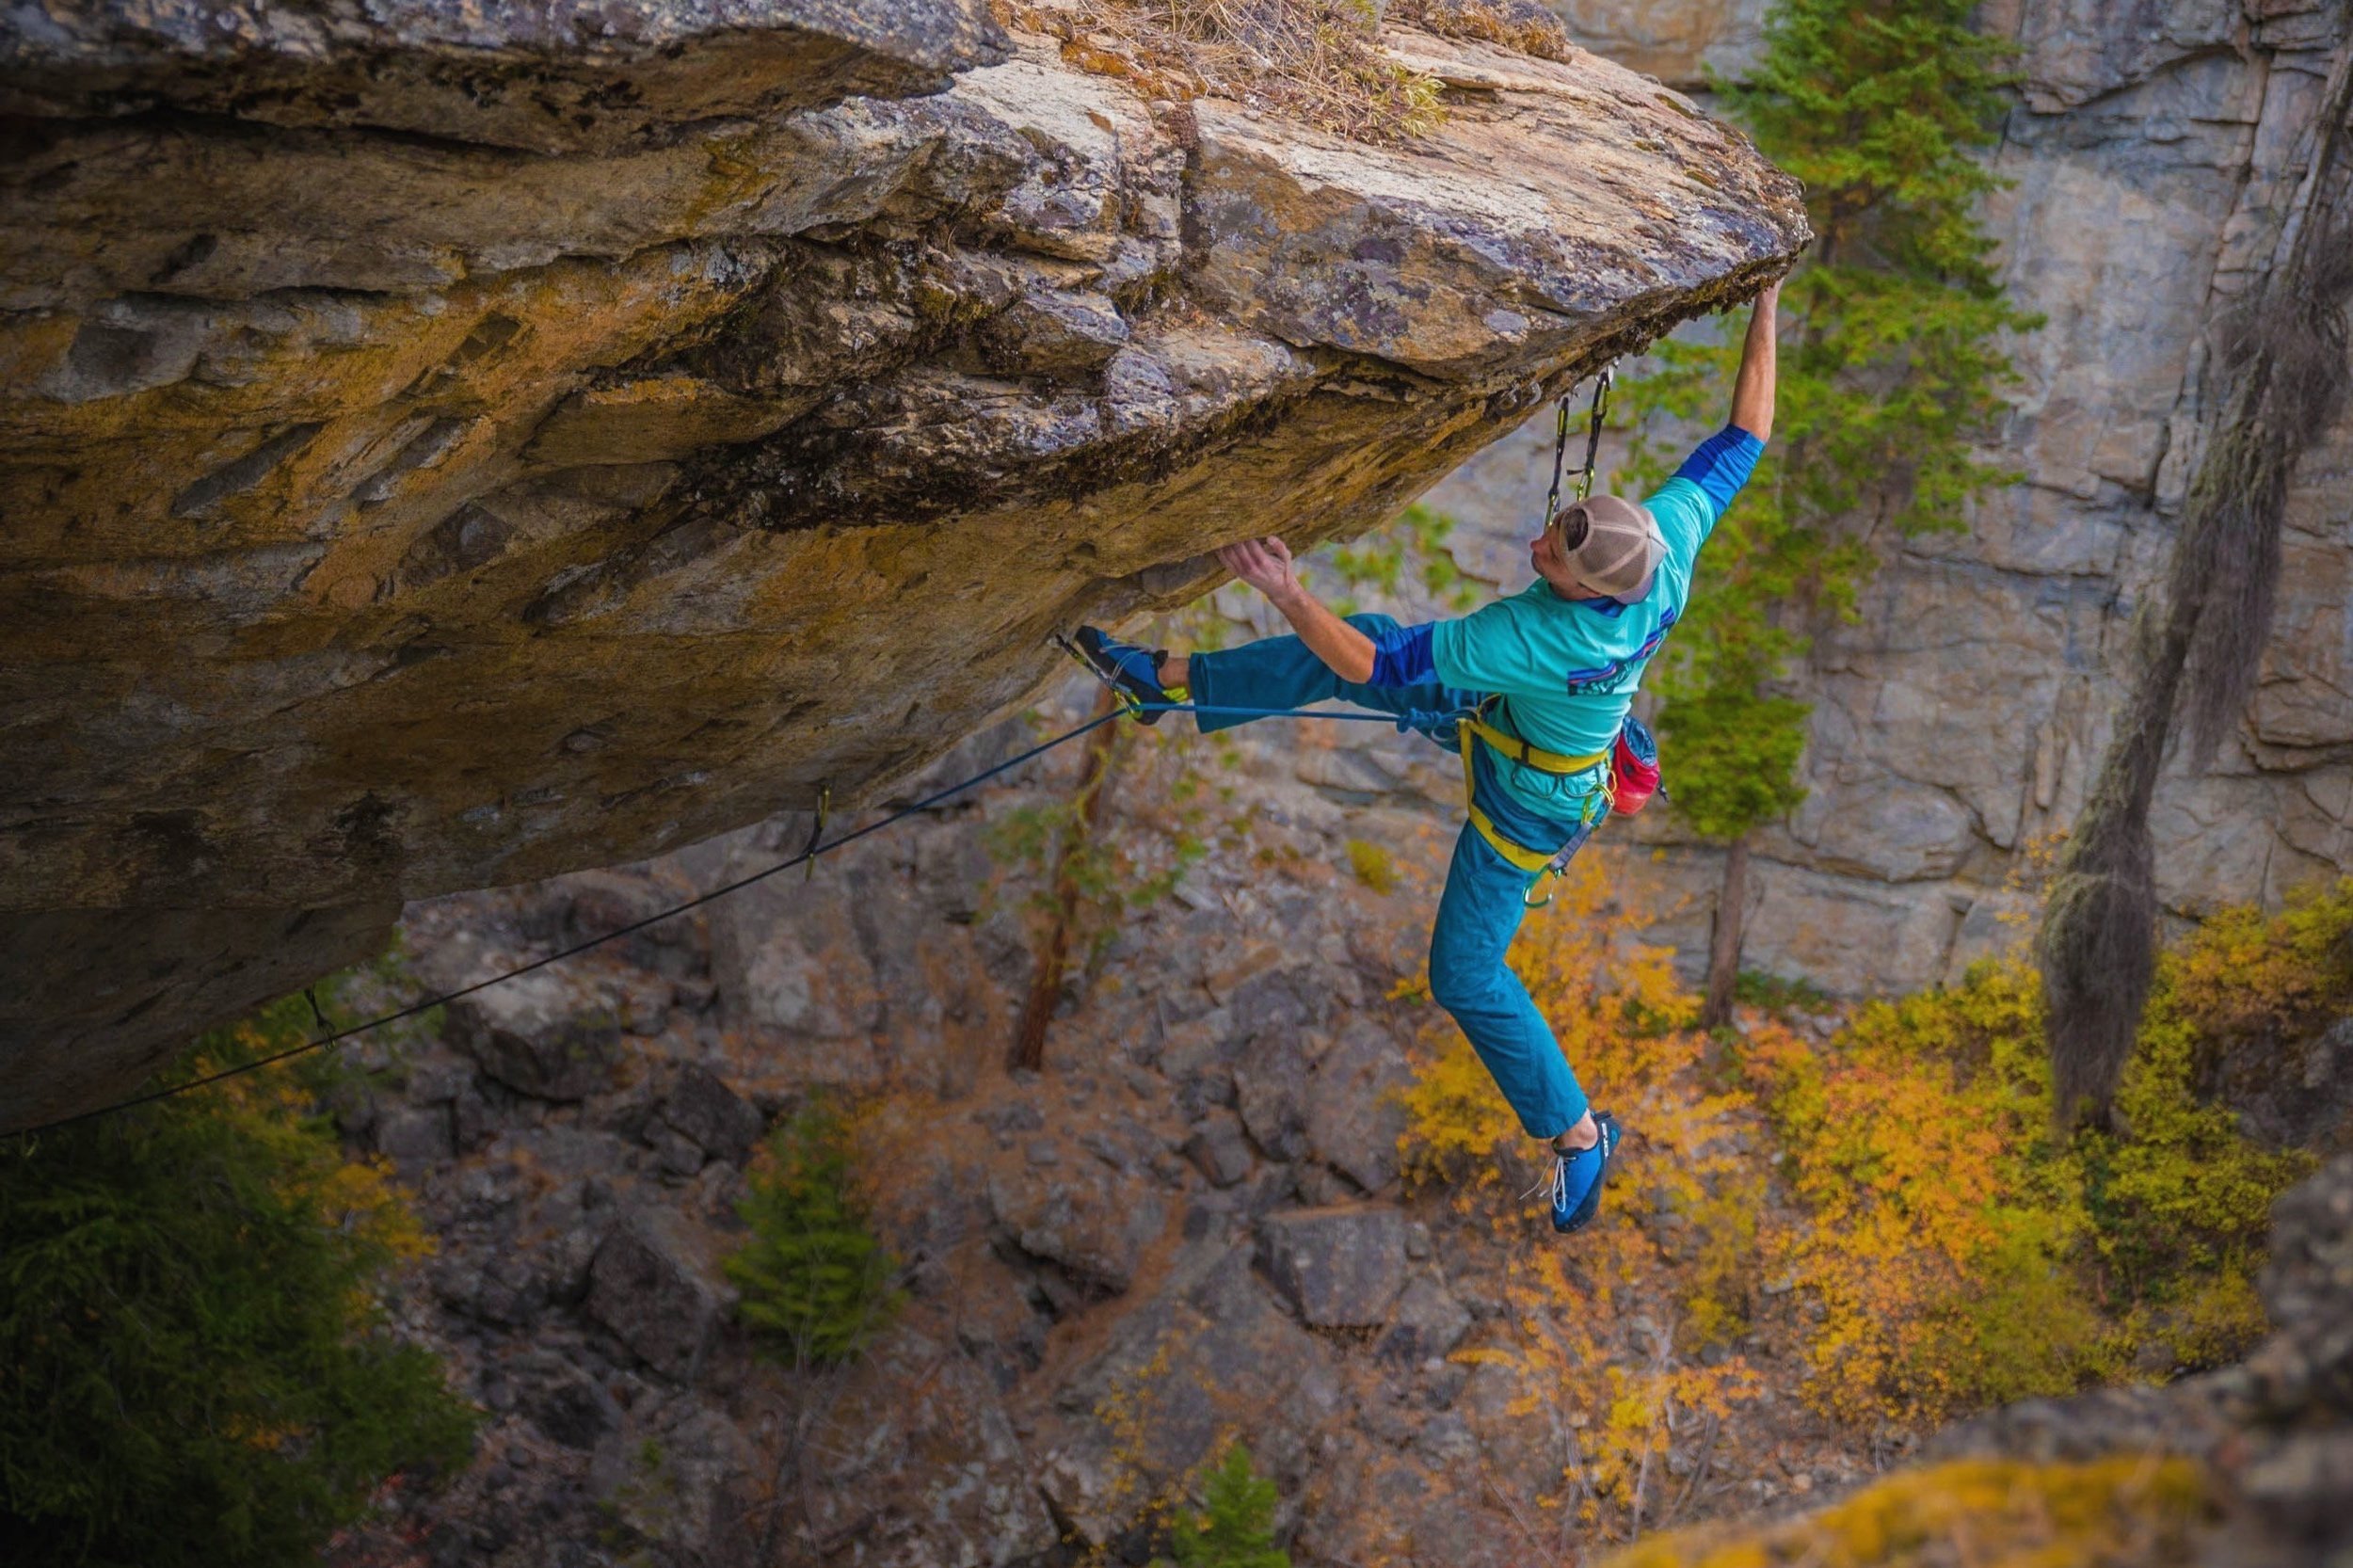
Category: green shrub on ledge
[816,1284]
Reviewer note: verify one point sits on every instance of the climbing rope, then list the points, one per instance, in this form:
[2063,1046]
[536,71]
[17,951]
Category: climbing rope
[814,848]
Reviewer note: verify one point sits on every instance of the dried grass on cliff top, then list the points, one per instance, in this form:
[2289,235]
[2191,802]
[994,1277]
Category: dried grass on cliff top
[1317,61]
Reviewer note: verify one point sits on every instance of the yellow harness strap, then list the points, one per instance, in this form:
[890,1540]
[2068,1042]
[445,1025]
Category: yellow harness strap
[1472,729]
[1529,756]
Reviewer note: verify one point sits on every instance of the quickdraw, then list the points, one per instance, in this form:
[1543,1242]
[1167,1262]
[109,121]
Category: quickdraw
[817,830]
[1596,419]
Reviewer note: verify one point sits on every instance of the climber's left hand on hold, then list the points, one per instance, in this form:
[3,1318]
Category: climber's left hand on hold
[1266,564]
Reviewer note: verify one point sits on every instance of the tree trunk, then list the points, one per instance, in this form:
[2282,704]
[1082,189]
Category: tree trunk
[1723,949]
[1029,1046]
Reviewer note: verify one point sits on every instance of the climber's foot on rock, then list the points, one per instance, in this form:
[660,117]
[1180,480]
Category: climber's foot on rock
[1134,671]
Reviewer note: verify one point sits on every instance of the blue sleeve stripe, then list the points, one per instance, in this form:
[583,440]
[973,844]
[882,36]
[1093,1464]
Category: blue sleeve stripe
[1402,657]
[1722,464]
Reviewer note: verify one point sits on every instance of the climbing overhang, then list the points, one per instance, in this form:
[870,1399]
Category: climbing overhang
[392,513]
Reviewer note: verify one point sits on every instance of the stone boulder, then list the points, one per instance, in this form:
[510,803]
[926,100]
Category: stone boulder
[447,447]
[1083,1218]
[789,964]
[1340,1267]
[1218,1149]
[1354,1117]
[1271,1091]
[718,1120]
[2307,1289]
[1427,1321]
[656,1284]
[574,1411]
[690,1487]
[414,1137]
[549,1035]
[1209,1355]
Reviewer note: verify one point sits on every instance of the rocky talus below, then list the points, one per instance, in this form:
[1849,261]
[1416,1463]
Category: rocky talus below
[1191,1225]
[443,446]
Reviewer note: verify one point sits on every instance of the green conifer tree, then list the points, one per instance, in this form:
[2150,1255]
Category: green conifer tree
[816,1284]
[1892,370]
[194,1364]
[1235,1528]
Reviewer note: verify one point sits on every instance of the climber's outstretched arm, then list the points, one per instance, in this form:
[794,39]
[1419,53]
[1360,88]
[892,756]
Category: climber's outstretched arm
[1266,564]
[1752,390]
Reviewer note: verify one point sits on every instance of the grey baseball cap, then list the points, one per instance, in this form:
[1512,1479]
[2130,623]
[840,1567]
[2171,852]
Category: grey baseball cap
[1613,544]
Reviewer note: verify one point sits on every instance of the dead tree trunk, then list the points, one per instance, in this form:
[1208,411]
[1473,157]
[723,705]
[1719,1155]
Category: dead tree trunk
[1723,948]
[2282,363]
[1029,1046]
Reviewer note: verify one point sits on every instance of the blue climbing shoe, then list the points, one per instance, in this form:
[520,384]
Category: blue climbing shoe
[1131,671]
[1577,1179]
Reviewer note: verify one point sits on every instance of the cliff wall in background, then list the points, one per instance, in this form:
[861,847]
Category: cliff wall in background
[1959,722]
[441,448]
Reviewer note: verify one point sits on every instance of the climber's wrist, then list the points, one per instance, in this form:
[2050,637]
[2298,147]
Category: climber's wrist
[1290,598]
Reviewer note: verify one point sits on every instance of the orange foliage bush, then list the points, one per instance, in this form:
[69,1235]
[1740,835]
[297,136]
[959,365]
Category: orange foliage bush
[1939,1215]
[1947,1248]
[1964,1255]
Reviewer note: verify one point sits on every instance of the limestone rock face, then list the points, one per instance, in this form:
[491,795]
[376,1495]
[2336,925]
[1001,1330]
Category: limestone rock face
[1959,720]
[444,445]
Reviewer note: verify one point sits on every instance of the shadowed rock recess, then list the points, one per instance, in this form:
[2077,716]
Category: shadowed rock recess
[449,445]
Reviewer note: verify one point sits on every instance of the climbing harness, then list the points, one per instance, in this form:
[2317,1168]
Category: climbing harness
[1472,729]
[1598,415]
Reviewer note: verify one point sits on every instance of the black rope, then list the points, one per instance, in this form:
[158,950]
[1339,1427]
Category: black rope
[814,849]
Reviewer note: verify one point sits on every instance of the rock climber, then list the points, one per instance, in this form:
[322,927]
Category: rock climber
[1554,668]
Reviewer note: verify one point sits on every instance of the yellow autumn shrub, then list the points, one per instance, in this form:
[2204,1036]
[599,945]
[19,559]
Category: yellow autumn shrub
[1962,1252]
[1948,1249]
[1943,1220]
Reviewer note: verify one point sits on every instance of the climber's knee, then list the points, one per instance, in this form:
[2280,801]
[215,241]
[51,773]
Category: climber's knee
[1456,985]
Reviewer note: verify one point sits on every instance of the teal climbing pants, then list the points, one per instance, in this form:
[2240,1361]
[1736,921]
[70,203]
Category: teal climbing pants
[1485,897]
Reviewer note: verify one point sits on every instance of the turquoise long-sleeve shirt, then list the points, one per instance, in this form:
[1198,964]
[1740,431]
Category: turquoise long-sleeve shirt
[1567,669]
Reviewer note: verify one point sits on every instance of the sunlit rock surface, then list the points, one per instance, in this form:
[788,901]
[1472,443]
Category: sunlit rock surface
[447,446]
